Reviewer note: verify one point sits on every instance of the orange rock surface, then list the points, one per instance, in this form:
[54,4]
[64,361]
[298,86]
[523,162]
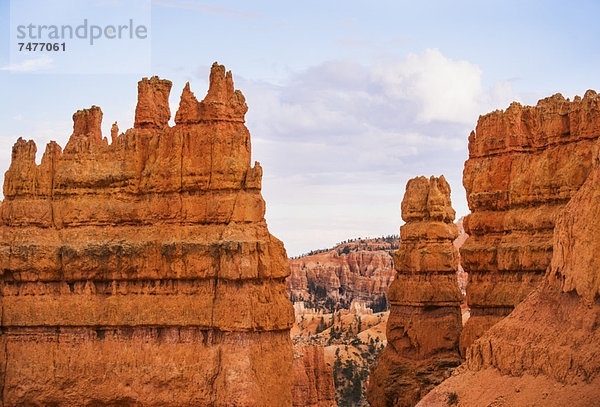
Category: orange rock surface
[524,165]
[425,319]
[141,272]
[547,351]
[313,378]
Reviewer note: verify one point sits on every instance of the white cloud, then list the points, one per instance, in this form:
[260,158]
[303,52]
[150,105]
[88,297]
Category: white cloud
[30,65]
[18,117]
[445,89]
[338,141]
[359,118]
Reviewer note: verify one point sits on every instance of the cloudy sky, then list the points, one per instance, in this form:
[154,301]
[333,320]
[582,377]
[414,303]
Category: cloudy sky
[347,99]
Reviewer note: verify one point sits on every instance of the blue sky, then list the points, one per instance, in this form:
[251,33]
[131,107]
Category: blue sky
[347,99]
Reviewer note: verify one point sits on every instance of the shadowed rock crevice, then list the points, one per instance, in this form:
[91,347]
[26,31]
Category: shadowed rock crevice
[313,378]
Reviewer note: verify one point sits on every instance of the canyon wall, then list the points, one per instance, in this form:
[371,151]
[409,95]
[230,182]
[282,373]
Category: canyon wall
[547,351]
[424,324]
[313,378]
[360,271]
[524,165]
[141,271]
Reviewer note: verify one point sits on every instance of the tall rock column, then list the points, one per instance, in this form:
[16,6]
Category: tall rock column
[524,165]
[142,272]
[546,352]
[425,320]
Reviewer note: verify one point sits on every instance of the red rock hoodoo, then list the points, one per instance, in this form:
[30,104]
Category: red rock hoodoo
[524,165]
[425,319]
[313,378]
[142,272]
[547,351]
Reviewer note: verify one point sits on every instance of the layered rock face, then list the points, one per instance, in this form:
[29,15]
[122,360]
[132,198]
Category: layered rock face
[141,272]
[357,271]
[524,165]
[556,330]
[425,320]
[313,378]
[547,351]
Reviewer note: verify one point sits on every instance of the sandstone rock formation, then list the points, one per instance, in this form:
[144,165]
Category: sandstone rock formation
[313,378]
[547,351]
[141,272]
[524,165]
[461,275]
[360,270]
[425,320]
